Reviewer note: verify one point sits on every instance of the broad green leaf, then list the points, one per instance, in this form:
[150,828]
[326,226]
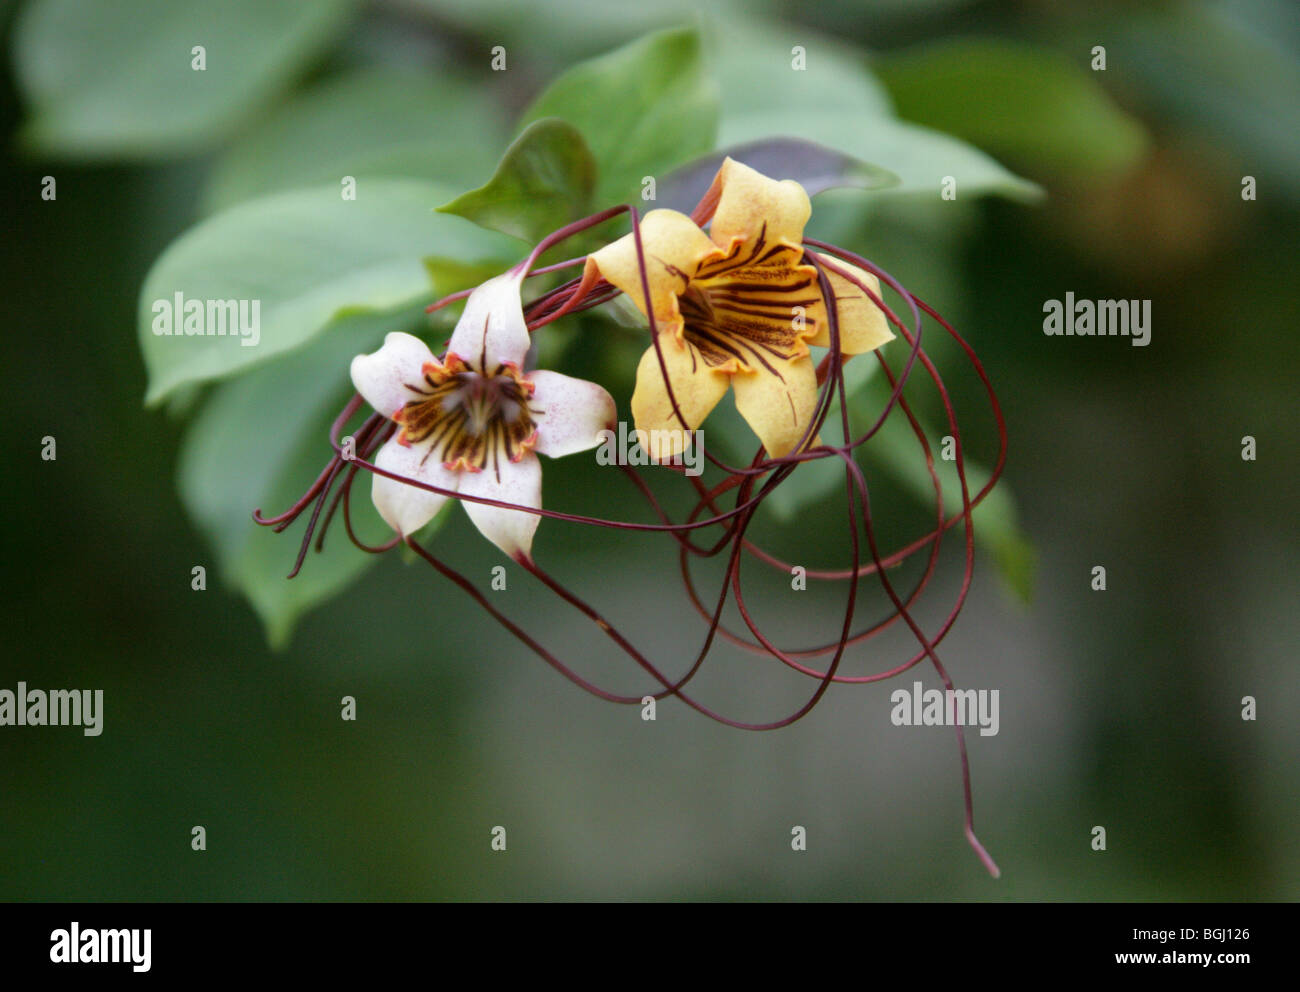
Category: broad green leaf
[451,275]
[836,102]
[755,63]
[814,480]
[365,124]
[815,167]
[1034,106]
[643,108]
[544,181]
[115,80]
[921,158]
[258,442]
[563,30]
[306,256]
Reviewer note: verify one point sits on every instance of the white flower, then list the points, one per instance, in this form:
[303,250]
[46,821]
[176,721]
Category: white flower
[475,422]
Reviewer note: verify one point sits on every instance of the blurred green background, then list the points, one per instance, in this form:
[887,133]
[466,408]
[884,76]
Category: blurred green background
[1119,708]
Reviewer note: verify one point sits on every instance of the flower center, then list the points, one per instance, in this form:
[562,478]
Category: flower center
[753,309]
[470,419]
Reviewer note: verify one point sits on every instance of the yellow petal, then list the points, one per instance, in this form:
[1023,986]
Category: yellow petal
[778,406]
[696,387]
[674,248]
[863,326]
[755,213]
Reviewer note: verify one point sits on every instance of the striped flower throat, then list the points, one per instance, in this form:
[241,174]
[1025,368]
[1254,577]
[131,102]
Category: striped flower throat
[469,418]
[745,310]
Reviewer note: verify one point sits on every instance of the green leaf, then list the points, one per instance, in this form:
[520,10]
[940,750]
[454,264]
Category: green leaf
[754,62]
[451,275]
[544,181]
[814,167]
[562,31]
[643,109]
[366,123]
[1227,70]
[108,80]
[921,158]
[1029,104]
[305,256]
[834,101]
[258,442]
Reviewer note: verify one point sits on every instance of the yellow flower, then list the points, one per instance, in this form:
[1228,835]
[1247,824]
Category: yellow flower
[737,306]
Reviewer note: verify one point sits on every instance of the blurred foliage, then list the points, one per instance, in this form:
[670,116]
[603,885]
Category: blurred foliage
[834,100]
[115,80]
[545,180]
[1227,72]
[1127,183]
[643,109]
[1035,107]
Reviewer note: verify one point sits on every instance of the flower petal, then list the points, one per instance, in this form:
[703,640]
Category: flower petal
[673,247]
[569,413]
[407,508]
[381,377]
[491,331]
[863,325]
[778,407]
[511,482]
[696,387]
[755,212]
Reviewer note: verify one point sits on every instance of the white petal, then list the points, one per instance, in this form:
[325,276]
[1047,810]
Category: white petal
[381,377]
[407,508]
[520,482]
[571,413]
[492,331]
